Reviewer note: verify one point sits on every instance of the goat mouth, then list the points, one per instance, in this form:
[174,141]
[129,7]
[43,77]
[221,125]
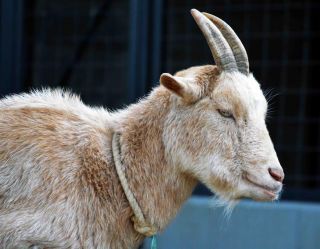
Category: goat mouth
[270,192]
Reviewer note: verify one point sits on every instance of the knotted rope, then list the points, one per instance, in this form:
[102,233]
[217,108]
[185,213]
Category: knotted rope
[139,221]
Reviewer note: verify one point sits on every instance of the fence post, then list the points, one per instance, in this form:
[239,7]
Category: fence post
[11,46]
[145,32]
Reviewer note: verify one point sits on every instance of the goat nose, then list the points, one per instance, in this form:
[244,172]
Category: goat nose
[276,174]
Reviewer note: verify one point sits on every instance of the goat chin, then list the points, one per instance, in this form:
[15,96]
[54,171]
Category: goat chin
[228,205]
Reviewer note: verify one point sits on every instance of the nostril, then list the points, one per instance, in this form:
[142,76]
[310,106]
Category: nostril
[276,174]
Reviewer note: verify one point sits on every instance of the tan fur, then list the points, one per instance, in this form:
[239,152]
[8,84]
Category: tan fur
[58,184]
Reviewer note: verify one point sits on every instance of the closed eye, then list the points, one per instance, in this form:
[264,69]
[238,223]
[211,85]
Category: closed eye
[225,114]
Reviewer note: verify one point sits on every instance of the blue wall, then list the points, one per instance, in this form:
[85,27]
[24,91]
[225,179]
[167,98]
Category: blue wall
[252,225]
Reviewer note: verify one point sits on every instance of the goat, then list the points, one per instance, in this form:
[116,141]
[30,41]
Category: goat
[73,176]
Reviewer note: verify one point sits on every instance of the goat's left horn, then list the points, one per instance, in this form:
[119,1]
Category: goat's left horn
[236,45]
[220,49]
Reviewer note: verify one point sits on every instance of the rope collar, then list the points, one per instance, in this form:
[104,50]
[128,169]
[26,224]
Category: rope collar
[139,221]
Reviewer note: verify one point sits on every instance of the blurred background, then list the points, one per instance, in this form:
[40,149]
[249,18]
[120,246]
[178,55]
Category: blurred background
[112,52]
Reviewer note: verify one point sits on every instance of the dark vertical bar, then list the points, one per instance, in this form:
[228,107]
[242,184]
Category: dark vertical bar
[11,42]
[157,31]
[283,74]
[144,43]
[302,105]
[265,42]
[133,50]
[246,25]
[188,27]
[170,30]
[138,48]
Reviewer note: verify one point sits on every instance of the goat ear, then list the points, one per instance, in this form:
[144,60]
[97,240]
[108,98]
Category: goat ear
[185,88]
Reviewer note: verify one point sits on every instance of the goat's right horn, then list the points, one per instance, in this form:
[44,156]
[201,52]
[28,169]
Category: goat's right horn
[219,47]
[236,45]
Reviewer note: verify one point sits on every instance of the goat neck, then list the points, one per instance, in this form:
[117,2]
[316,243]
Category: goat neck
[158,187]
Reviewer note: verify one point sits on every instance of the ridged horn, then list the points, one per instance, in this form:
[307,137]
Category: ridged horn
[236,45]
[219,47]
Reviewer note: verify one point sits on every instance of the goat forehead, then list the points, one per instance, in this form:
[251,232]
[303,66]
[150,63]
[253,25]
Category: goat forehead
[241,92]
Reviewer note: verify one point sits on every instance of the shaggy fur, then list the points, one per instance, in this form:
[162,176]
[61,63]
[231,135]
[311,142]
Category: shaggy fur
[58,184]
